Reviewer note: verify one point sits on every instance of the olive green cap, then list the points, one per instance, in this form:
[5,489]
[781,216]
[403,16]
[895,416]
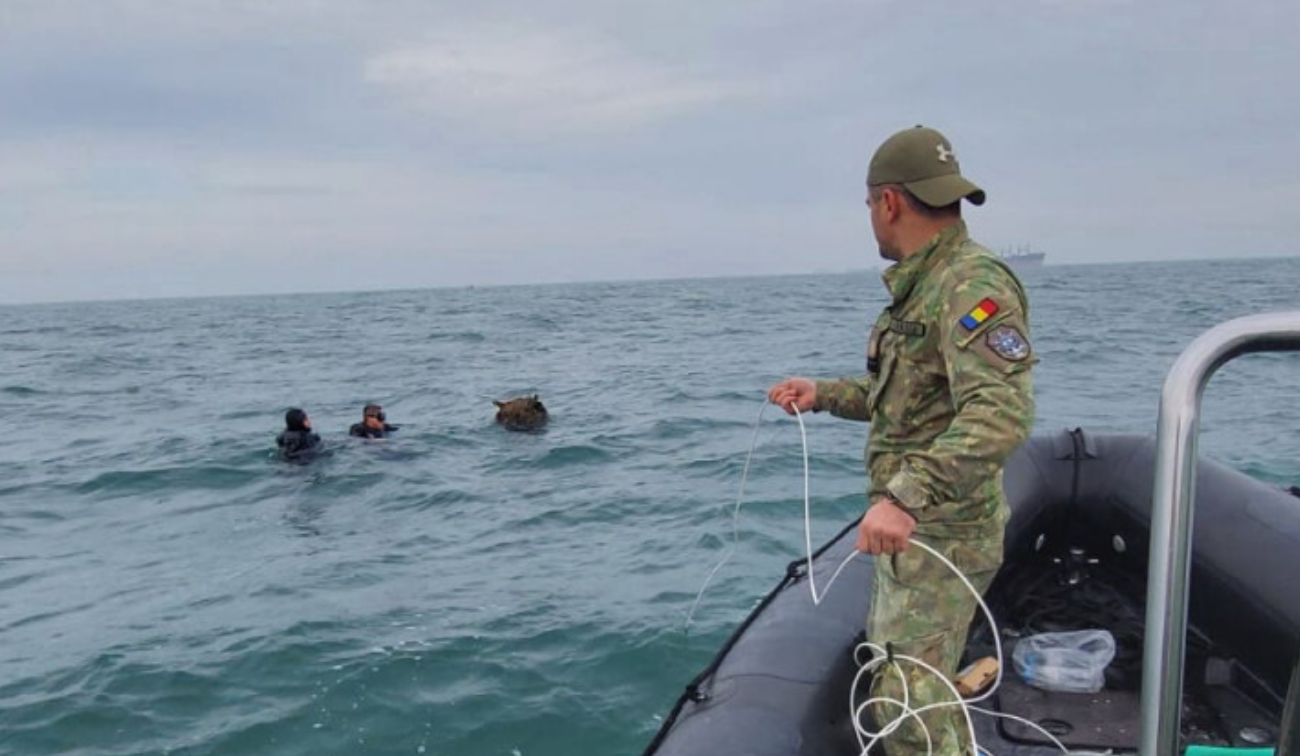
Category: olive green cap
[923,161]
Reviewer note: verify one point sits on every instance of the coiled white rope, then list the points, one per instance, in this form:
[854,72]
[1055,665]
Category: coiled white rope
[881,657]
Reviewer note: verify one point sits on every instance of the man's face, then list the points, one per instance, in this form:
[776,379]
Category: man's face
[374,418]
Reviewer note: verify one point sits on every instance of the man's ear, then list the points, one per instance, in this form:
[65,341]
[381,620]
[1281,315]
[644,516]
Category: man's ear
[893,201]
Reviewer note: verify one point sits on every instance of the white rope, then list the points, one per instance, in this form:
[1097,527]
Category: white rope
[807,523]
[880,655]
[735,517]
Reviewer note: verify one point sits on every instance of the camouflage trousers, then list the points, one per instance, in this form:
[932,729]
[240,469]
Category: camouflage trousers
[924,611]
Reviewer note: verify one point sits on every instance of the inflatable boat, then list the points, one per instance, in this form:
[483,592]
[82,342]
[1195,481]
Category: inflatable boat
[1077,553]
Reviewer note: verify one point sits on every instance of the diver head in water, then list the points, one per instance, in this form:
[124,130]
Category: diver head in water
[298,438]
[373,423]
[297,420]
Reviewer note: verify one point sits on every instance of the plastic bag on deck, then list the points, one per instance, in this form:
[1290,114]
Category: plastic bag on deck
[1073,662]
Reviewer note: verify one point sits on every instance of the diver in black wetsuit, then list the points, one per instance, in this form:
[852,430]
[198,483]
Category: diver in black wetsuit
[298,440]
[372,423]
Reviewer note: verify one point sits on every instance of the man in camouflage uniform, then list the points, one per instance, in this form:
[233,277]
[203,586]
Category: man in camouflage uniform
[947,392]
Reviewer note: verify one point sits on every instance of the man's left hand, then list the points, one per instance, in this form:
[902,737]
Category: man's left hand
[885,528]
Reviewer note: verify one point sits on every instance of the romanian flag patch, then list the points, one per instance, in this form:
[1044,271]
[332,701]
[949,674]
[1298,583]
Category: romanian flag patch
[982,312]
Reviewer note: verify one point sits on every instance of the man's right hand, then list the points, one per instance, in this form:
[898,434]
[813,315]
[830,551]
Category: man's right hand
[794,393]
[885,528]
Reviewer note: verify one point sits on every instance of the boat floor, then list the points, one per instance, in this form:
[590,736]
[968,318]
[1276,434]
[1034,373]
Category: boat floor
[1108,721]
[1224,704]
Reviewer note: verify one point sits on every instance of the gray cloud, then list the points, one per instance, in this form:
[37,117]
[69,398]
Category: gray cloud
[226,147]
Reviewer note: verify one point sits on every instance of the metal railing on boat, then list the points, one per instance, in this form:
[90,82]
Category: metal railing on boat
[1171,510]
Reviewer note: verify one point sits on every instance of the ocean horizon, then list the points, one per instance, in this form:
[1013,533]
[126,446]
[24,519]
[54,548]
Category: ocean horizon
[873,269]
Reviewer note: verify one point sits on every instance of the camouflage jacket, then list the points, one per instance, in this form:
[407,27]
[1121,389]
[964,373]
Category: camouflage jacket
[947,389]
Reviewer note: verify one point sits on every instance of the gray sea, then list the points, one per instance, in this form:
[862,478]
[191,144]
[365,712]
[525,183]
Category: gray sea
[167,586]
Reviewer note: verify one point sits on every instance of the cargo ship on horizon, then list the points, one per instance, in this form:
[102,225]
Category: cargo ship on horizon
[1022,258]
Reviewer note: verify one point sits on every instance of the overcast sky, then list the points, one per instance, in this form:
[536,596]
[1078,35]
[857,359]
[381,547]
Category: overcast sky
[202,147]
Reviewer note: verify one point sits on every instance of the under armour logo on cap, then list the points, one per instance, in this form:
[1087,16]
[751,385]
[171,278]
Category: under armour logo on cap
[944,153]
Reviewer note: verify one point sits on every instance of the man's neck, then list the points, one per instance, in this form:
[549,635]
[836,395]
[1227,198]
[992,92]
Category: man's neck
[914,238]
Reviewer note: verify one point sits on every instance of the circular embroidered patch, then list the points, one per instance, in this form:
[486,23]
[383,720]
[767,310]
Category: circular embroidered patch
[1007,343]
